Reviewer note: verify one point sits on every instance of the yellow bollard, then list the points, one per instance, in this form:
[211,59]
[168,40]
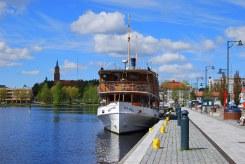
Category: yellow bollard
[162,129]
[156,143]
[165,123]
[150,130]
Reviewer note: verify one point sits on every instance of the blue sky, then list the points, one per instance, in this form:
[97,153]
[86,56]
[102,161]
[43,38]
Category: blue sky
[175,38]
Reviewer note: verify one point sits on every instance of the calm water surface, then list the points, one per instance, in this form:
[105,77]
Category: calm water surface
[46,135]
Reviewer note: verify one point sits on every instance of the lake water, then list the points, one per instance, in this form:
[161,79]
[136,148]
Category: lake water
[47,135]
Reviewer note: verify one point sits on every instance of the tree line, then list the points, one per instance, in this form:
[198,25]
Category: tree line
[49,92]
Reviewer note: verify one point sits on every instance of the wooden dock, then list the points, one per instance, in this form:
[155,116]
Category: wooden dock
[201,150]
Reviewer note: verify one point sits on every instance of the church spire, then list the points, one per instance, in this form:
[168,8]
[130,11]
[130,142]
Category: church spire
[57,63]
[57,72]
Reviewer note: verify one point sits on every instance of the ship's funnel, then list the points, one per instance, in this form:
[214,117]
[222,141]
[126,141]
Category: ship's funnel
[133,63]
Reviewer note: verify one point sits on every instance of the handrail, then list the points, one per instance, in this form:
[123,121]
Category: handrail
[125,86]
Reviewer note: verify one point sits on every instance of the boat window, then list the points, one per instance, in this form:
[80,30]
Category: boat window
[105,77]
[133,77]
[111,77]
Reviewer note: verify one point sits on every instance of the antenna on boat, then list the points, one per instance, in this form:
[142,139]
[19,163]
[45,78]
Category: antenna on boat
[136,50]
[77,67]
[129,41]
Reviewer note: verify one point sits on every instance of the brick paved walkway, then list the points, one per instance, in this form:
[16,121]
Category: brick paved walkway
[201,150]
[229,138]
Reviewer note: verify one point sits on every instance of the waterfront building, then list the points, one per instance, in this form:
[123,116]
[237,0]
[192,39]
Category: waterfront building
[15,95]
[200,95]
[172,91]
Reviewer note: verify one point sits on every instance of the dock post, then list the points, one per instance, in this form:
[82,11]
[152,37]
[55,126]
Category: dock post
[184,130]
[178,112]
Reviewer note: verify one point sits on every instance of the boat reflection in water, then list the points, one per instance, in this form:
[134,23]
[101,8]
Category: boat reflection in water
[111,148]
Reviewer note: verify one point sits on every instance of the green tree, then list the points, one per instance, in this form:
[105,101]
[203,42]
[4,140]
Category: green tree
[57,93]
[71,93]
[175,95]
[237,87]
[186,95]
[90,94]
[207,93]
[193,95]
[3,94]
[44,95]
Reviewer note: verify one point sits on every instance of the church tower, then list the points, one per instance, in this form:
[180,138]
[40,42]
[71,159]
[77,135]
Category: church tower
[57,72]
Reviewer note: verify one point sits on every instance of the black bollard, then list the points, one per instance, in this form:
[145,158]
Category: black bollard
[184,130]
[178,111]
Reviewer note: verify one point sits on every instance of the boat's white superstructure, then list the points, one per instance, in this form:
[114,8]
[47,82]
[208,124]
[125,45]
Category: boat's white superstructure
[123,117]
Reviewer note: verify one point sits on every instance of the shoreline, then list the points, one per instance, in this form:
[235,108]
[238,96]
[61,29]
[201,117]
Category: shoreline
[48,105]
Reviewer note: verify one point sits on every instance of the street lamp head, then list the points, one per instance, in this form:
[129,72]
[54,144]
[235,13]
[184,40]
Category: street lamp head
[220,71]
[240,43]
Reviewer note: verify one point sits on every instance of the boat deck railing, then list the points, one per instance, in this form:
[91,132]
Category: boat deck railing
[125,86]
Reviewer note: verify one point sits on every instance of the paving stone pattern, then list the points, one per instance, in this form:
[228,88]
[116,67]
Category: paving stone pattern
[201,150]
[228,137]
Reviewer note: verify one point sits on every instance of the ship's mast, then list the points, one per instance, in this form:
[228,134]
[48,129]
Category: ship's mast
[136,51]
[128,41]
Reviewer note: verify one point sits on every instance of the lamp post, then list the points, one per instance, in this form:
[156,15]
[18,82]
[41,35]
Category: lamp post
[222,72]
[206,73]
[198,78]
[230,43]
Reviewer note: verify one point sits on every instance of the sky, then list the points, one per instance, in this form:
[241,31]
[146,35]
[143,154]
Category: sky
[175,38]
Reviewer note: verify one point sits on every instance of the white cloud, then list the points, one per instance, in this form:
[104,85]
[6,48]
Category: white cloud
[36,48]
[3,7]
[69,66]
[132,4]
[237,2]
[185,76]
[208,45]
[30,72]
[167,58]
[146,45]
[237,33]
[110,37]
[100,63]
[185,71]
[12,6]
[9,56]
[176,68]
[175,45]
[101,23]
